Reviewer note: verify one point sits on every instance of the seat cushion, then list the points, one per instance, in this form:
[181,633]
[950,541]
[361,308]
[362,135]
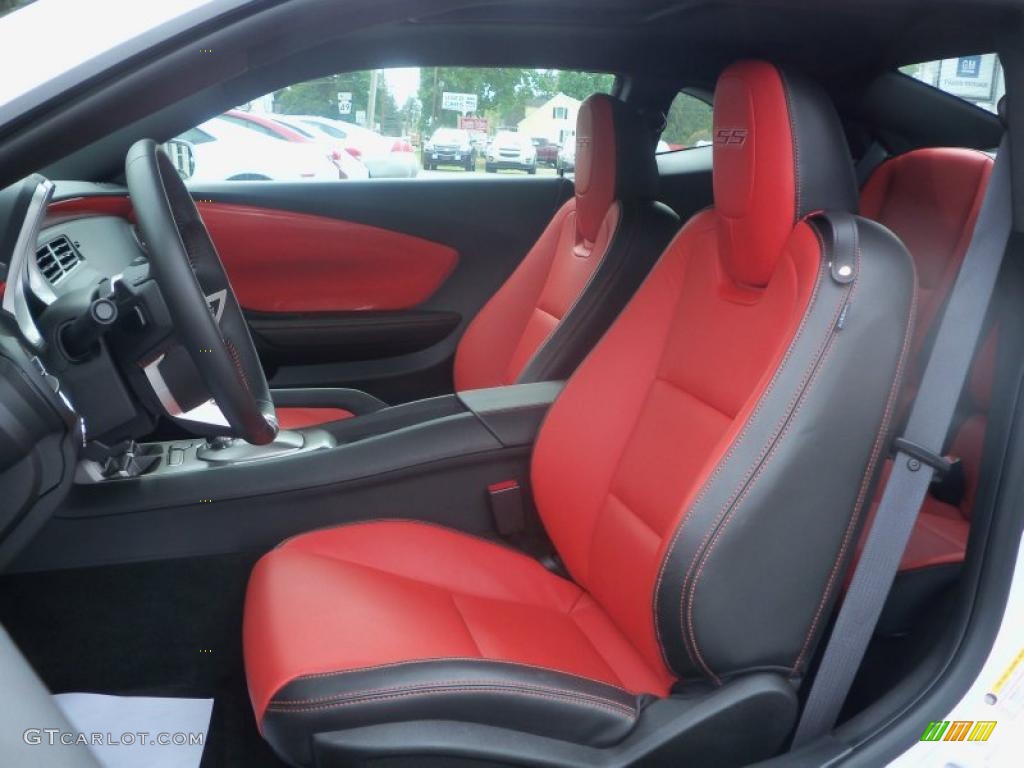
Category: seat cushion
[398,620]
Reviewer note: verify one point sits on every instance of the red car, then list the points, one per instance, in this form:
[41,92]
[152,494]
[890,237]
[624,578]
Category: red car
[348,167]
[265,125]
[547,152]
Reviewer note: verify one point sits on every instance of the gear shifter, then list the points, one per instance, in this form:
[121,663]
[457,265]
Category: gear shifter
[234,450]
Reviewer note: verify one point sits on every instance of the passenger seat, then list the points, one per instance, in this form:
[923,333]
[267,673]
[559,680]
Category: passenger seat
[570,286]
[930,199]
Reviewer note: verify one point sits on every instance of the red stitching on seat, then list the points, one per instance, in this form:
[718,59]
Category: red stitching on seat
[866,482]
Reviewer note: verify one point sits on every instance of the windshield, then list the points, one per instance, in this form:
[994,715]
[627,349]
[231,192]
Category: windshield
[74,37]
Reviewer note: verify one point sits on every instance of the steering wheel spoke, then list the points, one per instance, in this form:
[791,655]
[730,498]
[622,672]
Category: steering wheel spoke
[210,324]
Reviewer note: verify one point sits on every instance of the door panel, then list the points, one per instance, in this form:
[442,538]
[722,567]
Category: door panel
[282,261]
[371,284]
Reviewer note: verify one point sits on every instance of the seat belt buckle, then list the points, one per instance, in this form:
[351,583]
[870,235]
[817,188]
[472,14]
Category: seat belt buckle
[920,456]
[506,500]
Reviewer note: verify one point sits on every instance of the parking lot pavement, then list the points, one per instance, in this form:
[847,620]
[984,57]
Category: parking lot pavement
[453,172]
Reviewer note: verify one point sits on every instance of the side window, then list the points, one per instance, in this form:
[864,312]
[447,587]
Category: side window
[977,78]
[687,125]
[407,122]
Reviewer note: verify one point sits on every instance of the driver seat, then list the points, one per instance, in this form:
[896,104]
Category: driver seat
[702,477]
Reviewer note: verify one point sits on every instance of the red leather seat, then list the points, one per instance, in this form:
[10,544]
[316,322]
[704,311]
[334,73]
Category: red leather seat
[586,265]
[930,199]
[701,478]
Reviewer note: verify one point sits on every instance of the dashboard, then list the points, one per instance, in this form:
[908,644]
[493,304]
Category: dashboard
[64,386]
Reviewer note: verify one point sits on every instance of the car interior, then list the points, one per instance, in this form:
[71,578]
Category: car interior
[563,470]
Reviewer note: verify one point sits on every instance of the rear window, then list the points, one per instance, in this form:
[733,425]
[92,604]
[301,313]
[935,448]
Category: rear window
[977,78]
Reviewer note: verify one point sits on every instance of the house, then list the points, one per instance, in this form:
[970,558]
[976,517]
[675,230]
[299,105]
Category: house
[553,119]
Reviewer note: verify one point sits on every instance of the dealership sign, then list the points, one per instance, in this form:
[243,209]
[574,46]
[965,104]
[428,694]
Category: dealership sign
[458,102]
[479,124]
[969,77]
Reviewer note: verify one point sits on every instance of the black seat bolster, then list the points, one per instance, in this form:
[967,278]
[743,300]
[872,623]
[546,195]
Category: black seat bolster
[514,696]
[644,230]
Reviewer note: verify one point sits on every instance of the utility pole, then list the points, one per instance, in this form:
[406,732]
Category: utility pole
[371,104]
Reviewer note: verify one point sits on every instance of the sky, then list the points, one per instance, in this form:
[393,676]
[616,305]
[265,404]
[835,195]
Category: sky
[403,82]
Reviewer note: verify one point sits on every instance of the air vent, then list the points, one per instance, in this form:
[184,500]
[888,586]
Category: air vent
[57,259]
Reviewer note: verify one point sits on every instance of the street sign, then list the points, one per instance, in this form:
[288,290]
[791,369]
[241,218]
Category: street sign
[345,102]
[458,102]
[361,117]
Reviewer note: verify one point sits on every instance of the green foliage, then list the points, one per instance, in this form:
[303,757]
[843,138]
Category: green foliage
[580,85]
[320,97]
[689,121]
[503,95]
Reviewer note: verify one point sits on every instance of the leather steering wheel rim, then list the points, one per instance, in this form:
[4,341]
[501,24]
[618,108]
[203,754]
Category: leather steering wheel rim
[190,275]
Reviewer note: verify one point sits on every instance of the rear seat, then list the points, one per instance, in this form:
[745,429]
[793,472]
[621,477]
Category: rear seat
[930,199]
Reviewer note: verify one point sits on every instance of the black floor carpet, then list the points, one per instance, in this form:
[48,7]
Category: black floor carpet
[169,628]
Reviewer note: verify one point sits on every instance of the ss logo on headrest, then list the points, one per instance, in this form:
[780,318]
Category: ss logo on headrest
[731,137]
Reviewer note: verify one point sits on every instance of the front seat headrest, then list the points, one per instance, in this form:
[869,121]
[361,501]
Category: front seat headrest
[779,155]
[614,160]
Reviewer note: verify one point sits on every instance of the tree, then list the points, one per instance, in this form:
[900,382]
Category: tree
[320,97]
[580,85]
[689,121]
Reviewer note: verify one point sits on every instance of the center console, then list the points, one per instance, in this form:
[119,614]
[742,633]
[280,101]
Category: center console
[431,460]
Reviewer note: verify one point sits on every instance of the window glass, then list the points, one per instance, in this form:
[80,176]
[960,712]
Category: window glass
[977,78]
[687,125]
[408,122]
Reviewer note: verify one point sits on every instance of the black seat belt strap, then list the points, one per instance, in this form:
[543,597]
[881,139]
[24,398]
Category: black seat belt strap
[917,456]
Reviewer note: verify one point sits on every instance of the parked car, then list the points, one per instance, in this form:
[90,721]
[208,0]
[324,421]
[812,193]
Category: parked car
[547,151]
[566,160]
[384,158]
[350,166]
[226,152]
[450,146]
[511,150]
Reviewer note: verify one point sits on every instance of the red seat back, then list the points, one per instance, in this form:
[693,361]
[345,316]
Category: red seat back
[556,284]
[703,472]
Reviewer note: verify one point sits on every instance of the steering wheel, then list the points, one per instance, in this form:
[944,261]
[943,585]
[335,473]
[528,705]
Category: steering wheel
[198,294]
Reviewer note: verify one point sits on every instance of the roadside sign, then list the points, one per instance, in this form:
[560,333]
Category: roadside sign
[361,117]
[969,77]
[479,124]
[458,102]
[345,102]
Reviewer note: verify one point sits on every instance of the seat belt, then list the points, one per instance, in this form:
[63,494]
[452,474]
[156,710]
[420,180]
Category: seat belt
[918,456]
